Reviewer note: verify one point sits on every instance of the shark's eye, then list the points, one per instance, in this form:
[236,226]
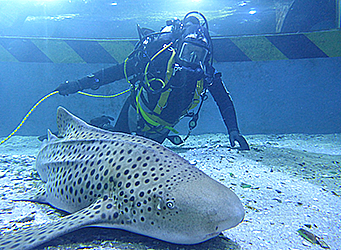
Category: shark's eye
[170,204]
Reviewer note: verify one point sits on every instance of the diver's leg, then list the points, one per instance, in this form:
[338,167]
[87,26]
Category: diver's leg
[124,125]
[161,138]
[122,120]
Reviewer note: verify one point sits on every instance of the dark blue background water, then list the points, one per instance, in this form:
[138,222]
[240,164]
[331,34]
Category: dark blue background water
[284,96]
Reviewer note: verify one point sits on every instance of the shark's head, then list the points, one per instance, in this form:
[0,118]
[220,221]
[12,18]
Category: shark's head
[205,208]
[192,209]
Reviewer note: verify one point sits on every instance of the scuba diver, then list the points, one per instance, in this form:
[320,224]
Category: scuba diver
[170,72]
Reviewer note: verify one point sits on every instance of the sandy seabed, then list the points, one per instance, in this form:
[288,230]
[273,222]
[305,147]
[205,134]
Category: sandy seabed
[285,182]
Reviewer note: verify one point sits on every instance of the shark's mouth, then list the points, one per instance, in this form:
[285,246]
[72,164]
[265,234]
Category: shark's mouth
[211,235]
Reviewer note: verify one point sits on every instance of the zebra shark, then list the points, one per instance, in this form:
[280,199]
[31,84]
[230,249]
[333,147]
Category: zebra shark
[123,181]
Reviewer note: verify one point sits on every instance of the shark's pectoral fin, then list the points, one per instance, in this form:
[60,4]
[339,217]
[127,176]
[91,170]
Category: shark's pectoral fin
[102,211]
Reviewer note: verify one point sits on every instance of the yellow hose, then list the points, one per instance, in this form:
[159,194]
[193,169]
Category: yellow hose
[28,114]
[51,94]
[104,96]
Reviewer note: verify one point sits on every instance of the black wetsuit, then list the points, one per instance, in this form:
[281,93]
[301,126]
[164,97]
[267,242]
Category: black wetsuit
[183,85]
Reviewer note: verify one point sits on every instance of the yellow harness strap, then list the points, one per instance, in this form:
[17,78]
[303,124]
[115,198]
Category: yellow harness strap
[198,90]
[152,119]
[169,67]
[164,95]
[162,101]
[149,117]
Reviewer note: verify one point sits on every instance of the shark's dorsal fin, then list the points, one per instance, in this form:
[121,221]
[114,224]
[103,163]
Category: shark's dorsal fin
[67,123]
[51,136]
[71,126]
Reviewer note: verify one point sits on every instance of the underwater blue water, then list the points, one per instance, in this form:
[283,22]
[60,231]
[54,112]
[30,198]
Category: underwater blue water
[271,96]
[291,87]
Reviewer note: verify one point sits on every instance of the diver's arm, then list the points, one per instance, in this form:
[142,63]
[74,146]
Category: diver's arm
[102,77]
[109,75]
[224,102]
[98,79]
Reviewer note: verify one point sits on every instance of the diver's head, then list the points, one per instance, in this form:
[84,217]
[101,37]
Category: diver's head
[195,43]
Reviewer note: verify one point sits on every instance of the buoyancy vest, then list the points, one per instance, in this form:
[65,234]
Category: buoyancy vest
[166,91]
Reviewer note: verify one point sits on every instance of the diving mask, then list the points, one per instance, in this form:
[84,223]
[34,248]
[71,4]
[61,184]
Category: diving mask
[193,53]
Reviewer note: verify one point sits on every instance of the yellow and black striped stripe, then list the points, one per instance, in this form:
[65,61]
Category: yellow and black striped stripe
[278,47]
[320,44]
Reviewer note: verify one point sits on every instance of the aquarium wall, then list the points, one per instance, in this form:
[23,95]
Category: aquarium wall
[277,87]
[286,96]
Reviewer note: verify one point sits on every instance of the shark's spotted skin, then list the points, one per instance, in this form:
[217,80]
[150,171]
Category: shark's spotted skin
[122,181]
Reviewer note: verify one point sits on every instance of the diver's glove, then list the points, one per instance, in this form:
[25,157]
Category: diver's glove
[236,136]
[68,88]
[103,122]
